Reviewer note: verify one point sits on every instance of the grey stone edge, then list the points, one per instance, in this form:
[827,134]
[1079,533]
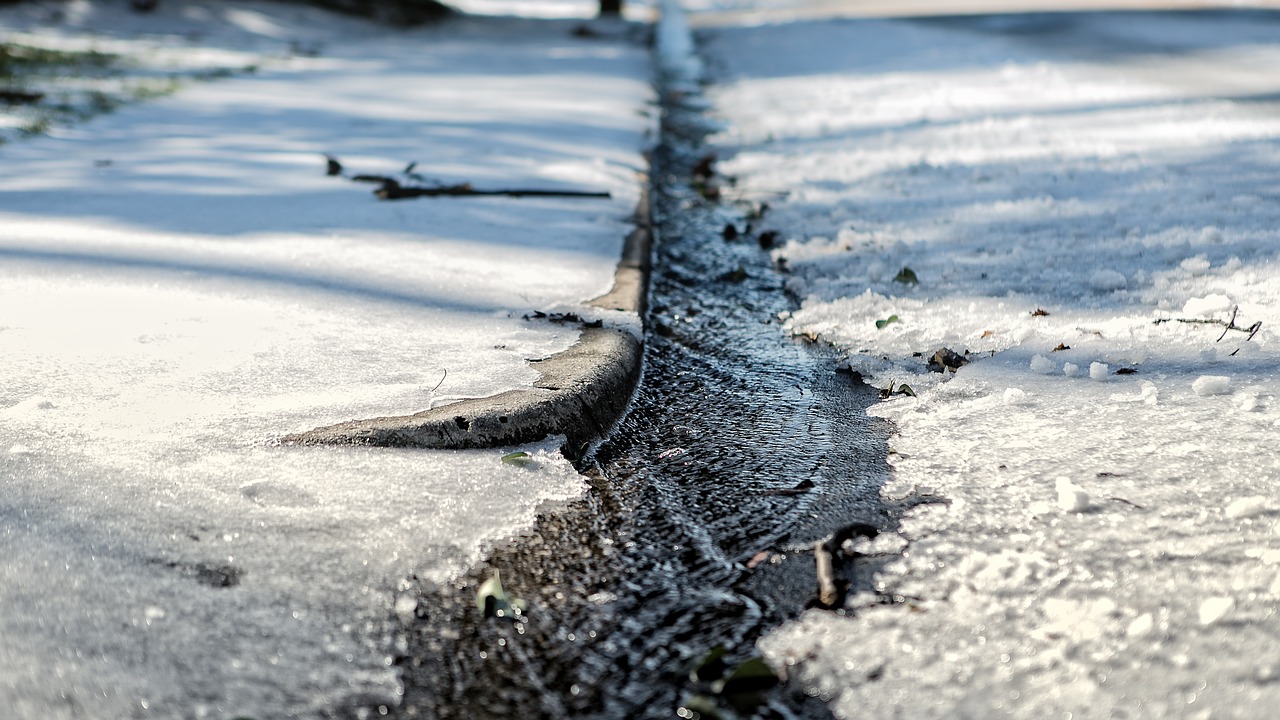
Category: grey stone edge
[580,394]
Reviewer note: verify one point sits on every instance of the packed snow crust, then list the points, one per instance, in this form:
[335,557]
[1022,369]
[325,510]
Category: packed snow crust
[1086,201]
[181,283]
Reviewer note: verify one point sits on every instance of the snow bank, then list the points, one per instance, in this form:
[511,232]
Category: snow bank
[1080,197]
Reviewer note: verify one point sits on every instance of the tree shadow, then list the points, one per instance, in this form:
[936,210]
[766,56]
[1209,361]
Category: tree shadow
[906,185]
[245,160]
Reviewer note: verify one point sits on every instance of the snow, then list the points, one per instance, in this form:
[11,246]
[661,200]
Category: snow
[1071,497]
[1212,385]
[181,284]
[1089,204]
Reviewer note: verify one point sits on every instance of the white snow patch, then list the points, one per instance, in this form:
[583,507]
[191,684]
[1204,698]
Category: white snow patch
[181,284]
[1248,507]
[1043,365]
[1015,163]
[1016,396]
[1211,385]
[1207,306]
[1099,372]
[1071,497]
[1214,609]
[1141,626]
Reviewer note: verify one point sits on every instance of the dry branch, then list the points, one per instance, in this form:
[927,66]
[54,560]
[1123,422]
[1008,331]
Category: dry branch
[396,191]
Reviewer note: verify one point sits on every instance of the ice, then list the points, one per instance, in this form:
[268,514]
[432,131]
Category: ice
[166,316]
[1211,385]
[1071,497]
[1070,369]
[1197,265]
[1099,371]
[1016,396]
[1150,393]
[1214,609]
[1251,402]
[1247,507]
[1141,626]
[1107,280]
[1043,365]
[406,607]
[674,46]
[1207,306]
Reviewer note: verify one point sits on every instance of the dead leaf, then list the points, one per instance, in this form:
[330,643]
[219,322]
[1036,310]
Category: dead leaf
[947,359]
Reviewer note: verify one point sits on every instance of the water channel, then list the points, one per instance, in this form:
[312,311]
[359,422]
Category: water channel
[741,449]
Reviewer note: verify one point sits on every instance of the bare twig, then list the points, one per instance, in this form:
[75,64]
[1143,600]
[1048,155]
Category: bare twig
[437,387]
[1228,325]
[390,188]
[396,191]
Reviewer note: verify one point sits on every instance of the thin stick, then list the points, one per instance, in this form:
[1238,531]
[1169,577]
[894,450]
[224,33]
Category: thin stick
[1230,323]
[827,593]
[390,191]
[437,387]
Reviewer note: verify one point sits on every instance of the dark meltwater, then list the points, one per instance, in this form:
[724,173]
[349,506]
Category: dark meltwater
[741,449]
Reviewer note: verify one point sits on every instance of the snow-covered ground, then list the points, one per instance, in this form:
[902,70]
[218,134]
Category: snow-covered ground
[181,283]
[1081,203]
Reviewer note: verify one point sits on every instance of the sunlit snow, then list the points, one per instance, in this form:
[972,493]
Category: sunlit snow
[1087,202]
[181,283]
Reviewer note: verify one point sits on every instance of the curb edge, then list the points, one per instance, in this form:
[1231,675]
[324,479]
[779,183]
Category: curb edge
[581,393]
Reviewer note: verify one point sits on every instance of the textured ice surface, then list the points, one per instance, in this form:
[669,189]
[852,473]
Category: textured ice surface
[1083,199]
[180,283]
